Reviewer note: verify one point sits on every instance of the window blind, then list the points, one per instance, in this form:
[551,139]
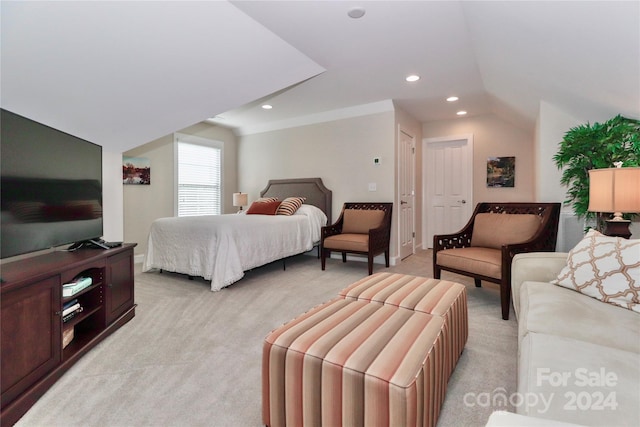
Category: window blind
[199,179]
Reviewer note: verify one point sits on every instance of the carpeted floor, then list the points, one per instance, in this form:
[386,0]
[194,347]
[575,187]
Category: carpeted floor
[192,357]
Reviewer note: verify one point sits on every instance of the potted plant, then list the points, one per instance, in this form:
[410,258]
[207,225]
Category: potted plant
[595,146]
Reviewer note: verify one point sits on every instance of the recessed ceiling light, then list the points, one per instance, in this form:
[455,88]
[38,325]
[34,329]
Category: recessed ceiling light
[356,12]
[452,98]
[413,78]
[267,107]
[461,113]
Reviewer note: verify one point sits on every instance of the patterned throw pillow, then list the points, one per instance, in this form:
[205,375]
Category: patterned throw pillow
[266,200]
[605,268]
[290,205]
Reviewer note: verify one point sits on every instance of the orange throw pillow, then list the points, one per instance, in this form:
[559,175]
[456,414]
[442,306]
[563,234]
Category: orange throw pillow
[263,208]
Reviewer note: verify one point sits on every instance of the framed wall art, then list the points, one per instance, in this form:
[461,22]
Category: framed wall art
[501,172]
[136,170]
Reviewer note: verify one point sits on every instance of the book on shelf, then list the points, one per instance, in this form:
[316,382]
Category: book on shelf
[69,303]
[72,288]
[71,315]
[70,309]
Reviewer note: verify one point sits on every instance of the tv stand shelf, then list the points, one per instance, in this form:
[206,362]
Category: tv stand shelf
[32,354]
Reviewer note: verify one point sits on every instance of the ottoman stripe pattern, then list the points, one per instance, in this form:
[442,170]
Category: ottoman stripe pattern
[380,354]
[432,296]
[355,363]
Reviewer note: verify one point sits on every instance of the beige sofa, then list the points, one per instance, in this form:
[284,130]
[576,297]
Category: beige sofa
[578,357]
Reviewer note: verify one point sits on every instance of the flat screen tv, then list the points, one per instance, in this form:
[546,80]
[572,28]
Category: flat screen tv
[51,187]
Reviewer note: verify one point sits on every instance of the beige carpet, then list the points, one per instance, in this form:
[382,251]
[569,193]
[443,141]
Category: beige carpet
[191,357]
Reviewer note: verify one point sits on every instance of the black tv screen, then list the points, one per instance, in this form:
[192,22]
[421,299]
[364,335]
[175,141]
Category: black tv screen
[51,187]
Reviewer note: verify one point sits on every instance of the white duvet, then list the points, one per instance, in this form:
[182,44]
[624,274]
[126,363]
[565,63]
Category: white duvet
[221,248]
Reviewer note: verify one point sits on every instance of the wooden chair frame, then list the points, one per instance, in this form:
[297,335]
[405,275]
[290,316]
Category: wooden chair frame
[544,240]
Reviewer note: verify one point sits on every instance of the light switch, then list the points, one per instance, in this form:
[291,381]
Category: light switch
[373,186]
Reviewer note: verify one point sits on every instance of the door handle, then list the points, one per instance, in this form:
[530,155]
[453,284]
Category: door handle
[462,201]
[402,202]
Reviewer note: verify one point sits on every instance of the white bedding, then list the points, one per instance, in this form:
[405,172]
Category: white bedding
[221,248]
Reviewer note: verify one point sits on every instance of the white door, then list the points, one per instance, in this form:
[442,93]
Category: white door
[406,186]
[448,175]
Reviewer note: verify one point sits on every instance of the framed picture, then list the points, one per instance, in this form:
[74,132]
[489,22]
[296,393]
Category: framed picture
[501,172]
[136,170]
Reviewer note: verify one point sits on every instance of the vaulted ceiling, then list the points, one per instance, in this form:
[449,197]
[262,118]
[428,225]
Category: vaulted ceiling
[124,73]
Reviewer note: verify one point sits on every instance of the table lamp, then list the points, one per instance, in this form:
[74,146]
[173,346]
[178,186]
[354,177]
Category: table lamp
[240,200]
[615,190]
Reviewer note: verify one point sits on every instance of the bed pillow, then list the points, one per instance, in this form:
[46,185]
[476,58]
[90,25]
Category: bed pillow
[263,208]
[605,268]
[290,205]
[266,199]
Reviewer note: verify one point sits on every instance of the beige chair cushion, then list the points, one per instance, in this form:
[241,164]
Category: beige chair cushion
[361,220]
[347,242]
[492,230]
[484,261]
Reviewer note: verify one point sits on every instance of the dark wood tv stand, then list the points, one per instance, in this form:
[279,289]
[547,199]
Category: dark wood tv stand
[32,354]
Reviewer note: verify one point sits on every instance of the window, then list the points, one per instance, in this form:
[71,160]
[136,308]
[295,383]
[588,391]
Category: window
[199,177]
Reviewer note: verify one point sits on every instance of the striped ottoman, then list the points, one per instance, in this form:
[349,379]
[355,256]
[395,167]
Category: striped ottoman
[350,362]
[437,297]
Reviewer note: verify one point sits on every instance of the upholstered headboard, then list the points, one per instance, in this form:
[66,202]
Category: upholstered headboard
[311,188]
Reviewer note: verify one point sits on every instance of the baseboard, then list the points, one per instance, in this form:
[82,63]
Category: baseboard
[138,259]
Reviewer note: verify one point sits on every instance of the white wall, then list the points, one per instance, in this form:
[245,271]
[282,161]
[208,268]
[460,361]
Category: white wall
[145,203]
[340,152]
[493,137]
[552,124]
[112,196]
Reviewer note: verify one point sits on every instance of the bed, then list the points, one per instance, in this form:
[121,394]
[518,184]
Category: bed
[220,248]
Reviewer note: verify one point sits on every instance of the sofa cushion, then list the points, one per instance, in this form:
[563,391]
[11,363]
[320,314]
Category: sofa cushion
[581,382]
[361,220]
[550,309]
[348,242]
[492,230]
[484,261]
[606,268]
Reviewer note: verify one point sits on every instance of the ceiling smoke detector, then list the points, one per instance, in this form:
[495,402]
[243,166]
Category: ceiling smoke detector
[356,12]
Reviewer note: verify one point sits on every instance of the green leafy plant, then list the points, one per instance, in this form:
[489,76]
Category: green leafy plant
[595,146]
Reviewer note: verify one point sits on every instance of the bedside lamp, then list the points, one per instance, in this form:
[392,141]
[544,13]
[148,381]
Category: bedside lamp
[615,190]
[240,200]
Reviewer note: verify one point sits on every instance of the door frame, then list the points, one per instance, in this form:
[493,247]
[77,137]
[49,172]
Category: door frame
[402,130]
[426,196]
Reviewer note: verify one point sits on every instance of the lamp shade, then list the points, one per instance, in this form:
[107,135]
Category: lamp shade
[240,199]
[614,190]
